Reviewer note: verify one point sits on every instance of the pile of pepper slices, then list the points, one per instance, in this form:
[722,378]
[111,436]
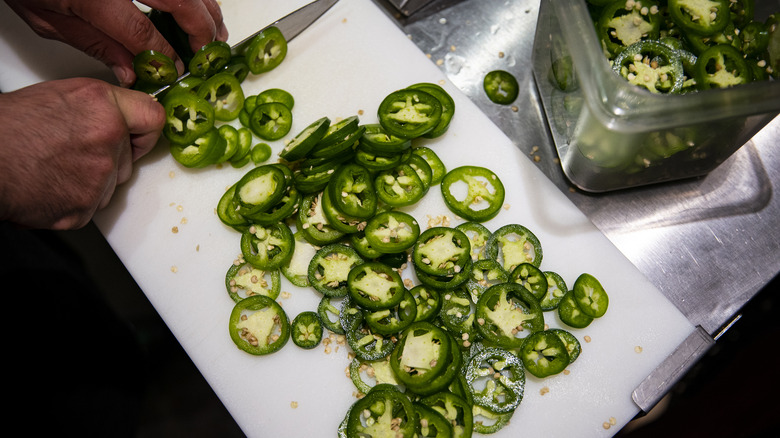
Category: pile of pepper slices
[681,46]
[445,356]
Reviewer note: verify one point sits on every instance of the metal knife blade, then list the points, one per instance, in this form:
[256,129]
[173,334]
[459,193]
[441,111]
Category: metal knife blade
[291,25]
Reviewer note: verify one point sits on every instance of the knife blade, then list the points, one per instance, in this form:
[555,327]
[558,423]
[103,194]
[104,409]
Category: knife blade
[291,25]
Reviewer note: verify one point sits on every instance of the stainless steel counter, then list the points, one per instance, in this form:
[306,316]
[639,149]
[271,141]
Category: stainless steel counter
[708,244]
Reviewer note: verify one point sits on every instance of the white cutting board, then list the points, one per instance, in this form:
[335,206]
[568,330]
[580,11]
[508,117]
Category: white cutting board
[342,65]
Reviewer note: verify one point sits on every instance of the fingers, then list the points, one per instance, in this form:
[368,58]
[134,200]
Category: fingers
[114,31]
[108,193]
[144,117]
[52,23]
[216,14]
[200,19]
[127,26]
[94,43]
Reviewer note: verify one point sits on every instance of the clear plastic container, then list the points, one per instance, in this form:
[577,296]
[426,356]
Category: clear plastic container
[612,135]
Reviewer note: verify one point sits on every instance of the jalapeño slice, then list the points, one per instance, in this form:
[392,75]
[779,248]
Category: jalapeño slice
[223,91]
[651,65]
[259,325]
[364,341]
[378,141]
[455,409]
[270,121]
[431,423]
[570,313]
[266,51]
[428,300]
[395,319]
[260,189]
[154,68]
[507,313]
[268,247]
[205,150]
[556,289]
[442,251]
[700,18]
[478,236]
[573,346]
[530,277]
[484,274]
[721,66]
[302,143]
[187,117]
[351,191]
[210,59]
[400,186]
[447,107]
[512,245]
[392,232]
[409,113]
[590,296]
[382,413]
[438,170]
[375,286]
[329,269]
[276,95]
[421,354]
[496,379]
[243,280]
[313,224]
[472,192]
[501,87]
[306,330]
[544,354]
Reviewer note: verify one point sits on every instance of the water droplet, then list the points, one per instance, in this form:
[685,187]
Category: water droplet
[510,60]
[453,63]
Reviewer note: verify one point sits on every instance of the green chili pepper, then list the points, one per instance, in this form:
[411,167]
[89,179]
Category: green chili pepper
[259,325]
[266,51]
[409,113]
[210,59]
[484,196]
[306,330]
[501,87]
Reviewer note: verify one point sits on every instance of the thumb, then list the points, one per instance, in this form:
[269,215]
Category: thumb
[144,116]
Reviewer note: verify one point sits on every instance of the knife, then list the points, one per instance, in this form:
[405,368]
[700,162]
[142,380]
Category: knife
[291,25]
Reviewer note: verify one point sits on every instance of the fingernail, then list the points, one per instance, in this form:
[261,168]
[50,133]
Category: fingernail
[124,75]
[179,66]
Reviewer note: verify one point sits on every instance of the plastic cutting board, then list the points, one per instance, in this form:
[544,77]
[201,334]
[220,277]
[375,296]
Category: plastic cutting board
[341,66]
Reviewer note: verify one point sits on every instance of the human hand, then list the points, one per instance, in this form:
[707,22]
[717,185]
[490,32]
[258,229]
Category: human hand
[66,145]
[114,31]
